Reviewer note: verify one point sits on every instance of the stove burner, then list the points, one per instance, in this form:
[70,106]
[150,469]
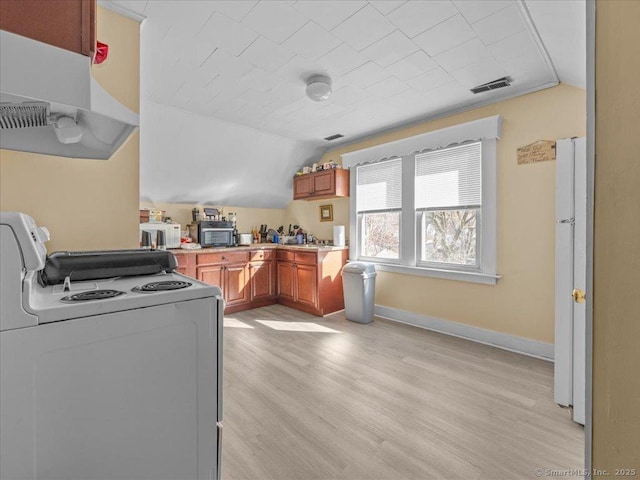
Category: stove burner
[91,295]
[161,286]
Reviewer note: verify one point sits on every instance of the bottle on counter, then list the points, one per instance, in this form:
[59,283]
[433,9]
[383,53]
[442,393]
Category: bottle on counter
[236,235]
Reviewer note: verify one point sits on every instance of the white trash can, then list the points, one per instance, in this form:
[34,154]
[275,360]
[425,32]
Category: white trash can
[359,283]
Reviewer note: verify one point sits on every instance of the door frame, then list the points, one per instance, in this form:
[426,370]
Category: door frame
[590,15]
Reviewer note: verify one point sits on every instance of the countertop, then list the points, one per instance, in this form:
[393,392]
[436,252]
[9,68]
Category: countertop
[259,246]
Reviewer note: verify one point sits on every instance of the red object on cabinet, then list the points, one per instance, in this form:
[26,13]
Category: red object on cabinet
[102,52]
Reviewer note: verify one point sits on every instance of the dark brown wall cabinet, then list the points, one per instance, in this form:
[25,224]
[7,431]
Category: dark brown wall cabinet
[324,184]
[68,24]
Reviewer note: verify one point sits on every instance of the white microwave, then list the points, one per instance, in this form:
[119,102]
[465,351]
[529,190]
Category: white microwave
[172,233]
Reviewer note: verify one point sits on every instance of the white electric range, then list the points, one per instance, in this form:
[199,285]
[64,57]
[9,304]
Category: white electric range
[116,377]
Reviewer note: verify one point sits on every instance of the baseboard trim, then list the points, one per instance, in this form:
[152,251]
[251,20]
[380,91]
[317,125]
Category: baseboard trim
[525,346]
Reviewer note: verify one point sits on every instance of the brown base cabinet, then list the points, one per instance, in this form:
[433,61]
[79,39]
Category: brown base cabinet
[232,280]
[186,264]
[231,273]
[262,278]
[236,278]
[311,280]
[307,280]
[246,277]
[213,275]
[298,284]
[286,289]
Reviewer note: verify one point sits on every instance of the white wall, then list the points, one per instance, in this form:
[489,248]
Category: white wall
[187,158]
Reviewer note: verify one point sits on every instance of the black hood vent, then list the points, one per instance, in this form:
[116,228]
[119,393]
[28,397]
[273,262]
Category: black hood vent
[499,83]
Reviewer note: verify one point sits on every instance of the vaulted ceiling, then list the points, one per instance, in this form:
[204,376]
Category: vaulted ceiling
[391,62]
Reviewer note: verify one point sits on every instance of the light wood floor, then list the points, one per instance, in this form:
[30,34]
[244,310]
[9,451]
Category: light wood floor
[383,401]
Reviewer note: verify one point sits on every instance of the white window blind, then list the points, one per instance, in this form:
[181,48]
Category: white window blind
[379,186]
[449,178]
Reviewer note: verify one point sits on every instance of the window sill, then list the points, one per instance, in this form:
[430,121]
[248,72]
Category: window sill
[473,277]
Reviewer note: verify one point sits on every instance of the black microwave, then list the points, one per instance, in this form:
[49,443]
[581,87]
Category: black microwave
[214,233]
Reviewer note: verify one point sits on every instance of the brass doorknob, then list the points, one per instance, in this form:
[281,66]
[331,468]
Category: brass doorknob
[578,295]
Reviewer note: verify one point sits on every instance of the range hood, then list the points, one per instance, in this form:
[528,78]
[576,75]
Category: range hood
[51,104]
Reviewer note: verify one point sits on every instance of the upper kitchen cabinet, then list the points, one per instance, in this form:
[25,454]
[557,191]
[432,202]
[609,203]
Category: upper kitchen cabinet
[68,24]
[324,184]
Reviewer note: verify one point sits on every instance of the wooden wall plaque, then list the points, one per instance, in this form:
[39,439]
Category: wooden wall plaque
[539,151]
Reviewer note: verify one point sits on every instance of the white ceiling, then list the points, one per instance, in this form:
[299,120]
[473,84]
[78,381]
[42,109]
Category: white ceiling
[563,27]
[392,62]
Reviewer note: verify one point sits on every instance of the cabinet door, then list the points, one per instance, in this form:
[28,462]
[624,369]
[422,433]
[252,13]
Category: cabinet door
[285,280]
[212,275]
[68,24]
[186,264]
[236,284]
[306,281]
[262,284]
[324,183]
[302,186]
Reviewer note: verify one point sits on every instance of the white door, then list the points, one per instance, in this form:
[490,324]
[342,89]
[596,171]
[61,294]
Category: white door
[570,316]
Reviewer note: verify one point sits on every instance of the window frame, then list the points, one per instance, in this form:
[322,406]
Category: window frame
[486,131]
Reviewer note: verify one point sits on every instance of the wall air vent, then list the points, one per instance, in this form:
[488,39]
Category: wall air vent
[333,137]
[485,87]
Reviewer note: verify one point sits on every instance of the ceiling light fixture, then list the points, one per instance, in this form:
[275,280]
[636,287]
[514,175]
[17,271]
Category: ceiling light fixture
[319,88]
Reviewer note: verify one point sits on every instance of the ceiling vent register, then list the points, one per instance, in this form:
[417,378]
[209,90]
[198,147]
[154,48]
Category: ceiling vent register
[333,137]
[492,85]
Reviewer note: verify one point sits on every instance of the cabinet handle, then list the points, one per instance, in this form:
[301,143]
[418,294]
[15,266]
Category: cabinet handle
[224,258]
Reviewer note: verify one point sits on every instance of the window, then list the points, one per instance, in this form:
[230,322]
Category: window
[379,202]
[430,213]
[448,202]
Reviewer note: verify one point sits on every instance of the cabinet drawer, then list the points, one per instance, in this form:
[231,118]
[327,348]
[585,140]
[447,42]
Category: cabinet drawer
[261,255]
[305,257]
[222,257]
[285,255]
